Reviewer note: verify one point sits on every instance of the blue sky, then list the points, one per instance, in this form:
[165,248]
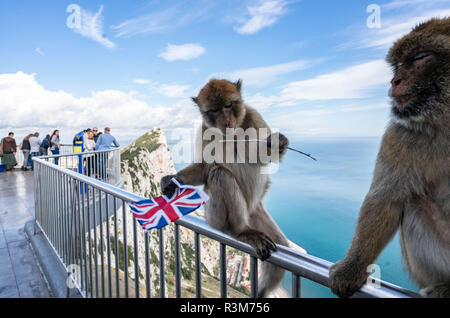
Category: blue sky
[312,67]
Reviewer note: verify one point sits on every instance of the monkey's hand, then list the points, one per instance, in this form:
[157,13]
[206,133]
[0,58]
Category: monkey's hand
[167,186]
[277,141]
[259,241]
[346,278]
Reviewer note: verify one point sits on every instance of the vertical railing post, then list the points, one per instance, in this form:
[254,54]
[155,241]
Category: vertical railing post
[223,271]
[162,279]
[253,277]
[177,262]
[198,266]
[296,287]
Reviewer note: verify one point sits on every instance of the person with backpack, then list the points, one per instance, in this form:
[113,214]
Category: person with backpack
[43,149]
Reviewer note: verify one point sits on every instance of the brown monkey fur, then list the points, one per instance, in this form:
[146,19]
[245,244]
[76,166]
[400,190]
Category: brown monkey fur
[236,190]
[410,190]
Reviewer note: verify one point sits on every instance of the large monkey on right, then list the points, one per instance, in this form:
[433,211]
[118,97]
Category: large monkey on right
[411,184]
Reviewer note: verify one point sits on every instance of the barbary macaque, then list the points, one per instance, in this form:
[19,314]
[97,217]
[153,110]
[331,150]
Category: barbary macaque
[410,190]
[236,188]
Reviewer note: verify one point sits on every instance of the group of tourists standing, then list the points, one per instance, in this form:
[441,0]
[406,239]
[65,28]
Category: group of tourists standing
[31,146]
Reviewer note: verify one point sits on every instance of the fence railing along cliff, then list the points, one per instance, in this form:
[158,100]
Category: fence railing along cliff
[77,212]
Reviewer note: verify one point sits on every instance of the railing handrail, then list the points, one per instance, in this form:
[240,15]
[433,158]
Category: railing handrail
[305,265]
[79,153]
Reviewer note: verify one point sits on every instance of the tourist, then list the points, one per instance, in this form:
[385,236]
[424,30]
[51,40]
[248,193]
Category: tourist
[89,145]
[43,149]
[26,149]
[9,149]
[104,143]
[96,133]
[35,144]
[55,145]
[105,140]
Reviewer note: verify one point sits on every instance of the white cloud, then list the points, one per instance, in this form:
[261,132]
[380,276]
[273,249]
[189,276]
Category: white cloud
[183,52]
[264,75]
[39,51]
[141,81]
[395,27]
[43,108]
[265,14]
[91,26]
[176,16]
[355,82]
[402,3]
[349,83]
[173,90]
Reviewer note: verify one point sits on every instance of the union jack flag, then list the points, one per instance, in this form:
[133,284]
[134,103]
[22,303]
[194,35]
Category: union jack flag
[161,211]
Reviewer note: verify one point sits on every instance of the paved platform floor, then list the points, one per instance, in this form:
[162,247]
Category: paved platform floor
[20,274]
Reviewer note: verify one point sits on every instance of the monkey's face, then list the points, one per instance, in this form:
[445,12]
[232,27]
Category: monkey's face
[414,82]
[420,62]
[220,104]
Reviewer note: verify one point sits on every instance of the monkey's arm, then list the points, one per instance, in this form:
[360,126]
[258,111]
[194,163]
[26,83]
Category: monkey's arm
[194,174]
[378,221]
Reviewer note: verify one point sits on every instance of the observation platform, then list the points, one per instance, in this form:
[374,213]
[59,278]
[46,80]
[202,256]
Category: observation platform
[20,274]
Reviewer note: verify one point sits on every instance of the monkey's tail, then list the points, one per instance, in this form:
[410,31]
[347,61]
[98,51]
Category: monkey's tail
[270,279]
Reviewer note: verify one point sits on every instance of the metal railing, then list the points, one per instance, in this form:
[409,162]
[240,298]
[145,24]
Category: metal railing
[90,227]
[103,165]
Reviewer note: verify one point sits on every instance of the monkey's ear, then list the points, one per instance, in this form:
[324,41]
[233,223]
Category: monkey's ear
[195,100]
[238,84]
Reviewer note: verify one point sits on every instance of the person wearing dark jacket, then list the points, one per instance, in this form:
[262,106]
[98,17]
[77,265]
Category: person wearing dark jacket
[9,152]
[96,133]
[43,149]
[26,149]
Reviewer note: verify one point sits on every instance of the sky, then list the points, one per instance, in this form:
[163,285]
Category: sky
[313,68]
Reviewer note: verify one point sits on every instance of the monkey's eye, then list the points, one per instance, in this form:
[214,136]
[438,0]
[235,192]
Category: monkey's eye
[228,105]
[212,111]
[421,56]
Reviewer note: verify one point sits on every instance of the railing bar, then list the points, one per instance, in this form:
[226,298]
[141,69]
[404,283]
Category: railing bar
[108,245]
[223,271]
[102,254]
[162,280]
[88,204]
[253,277]
[52,207]
[125,246]
[147,266]
[116,254]
[84,239]
[177,262]
[80,256]
[59,241]
[198,273]
[94,214]
[296,287]
[136,259]
[64,218]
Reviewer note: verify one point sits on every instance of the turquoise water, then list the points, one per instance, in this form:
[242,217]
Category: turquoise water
[316,204]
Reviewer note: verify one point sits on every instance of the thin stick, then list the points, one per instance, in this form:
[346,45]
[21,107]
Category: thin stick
[261,140]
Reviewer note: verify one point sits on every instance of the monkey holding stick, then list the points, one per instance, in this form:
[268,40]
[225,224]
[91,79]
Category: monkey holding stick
[236,189]
[410,190]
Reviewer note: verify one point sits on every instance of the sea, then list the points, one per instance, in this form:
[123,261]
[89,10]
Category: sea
[316,203]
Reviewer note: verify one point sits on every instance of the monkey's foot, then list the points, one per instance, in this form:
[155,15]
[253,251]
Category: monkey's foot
[437,291]
[260,242]
[345,279]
